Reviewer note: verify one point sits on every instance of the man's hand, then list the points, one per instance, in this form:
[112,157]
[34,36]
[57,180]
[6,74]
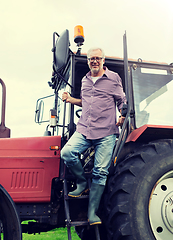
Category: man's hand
[120,121]
[66,97]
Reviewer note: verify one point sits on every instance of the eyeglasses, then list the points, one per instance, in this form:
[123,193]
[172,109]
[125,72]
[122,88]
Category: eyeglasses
[98,59]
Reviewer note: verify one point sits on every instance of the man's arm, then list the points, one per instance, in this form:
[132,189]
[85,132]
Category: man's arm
[66,97]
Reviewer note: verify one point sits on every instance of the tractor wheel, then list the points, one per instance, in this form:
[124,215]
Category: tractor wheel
[140,195]
[9,220]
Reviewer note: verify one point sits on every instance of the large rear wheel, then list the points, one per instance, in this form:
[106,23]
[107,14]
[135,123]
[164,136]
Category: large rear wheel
[140,195]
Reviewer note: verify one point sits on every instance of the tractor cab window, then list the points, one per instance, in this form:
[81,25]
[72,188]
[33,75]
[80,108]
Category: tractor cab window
[153,96]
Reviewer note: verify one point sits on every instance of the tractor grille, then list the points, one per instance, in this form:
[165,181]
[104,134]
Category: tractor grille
[27,179]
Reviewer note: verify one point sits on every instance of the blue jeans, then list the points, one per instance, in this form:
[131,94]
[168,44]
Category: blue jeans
[103,147]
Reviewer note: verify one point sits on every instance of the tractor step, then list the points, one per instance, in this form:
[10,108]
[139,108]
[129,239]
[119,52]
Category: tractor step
[78,223]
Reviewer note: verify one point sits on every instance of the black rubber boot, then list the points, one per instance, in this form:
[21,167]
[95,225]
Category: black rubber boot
[95,195]
[81,182]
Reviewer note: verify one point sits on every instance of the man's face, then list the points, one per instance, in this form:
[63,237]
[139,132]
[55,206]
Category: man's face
[96,62]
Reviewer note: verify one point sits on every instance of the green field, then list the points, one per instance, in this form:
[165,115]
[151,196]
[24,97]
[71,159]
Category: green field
[56,234]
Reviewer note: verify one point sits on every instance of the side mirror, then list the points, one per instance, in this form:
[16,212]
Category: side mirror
[61,50]
[39,111]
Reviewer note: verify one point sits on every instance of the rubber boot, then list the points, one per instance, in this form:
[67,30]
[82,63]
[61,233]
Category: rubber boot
[81,182]
[95,195]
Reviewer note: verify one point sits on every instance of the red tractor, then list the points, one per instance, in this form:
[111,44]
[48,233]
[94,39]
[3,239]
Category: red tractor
[137,203]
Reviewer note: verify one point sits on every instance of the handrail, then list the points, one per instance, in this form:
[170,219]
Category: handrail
[2,125]
[125,128]
[121,140]
[4,131]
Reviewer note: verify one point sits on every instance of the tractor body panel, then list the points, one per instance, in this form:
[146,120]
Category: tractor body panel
[27,167]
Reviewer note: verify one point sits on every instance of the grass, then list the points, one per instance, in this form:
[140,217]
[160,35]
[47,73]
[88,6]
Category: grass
[56,234]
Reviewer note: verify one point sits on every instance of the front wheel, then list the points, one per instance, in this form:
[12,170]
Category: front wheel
[9,220]
[140,195]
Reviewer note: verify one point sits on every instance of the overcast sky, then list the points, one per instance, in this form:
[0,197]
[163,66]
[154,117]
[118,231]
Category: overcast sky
[26,32]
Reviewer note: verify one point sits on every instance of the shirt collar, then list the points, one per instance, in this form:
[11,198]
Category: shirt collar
[106,73]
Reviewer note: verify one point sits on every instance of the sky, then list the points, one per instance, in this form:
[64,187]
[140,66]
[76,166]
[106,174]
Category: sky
[26,38]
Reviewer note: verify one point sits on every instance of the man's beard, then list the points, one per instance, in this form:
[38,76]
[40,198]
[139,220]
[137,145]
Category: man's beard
[95,70]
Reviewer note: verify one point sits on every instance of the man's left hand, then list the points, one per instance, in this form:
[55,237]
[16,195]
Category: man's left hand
[120,121]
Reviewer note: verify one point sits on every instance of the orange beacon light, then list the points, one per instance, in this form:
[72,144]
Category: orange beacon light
[78,35]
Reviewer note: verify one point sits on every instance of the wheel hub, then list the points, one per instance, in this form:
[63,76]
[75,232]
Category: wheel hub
[161,208]
[167,211]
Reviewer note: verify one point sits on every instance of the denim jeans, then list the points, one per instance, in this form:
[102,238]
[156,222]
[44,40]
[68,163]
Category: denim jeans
[103,147]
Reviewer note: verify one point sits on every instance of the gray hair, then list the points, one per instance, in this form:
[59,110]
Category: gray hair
[93,49]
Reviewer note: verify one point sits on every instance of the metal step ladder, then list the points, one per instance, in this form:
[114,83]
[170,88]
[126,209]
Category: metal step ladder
[70,223]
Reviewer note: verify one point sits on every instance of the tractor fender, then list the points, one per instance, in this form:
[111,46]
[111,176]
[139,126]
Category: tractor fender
[10,222]
[148,133]
[144,135]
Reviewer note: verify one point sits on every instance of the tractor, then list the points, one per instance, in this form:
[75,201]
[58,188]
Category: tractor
[137,203]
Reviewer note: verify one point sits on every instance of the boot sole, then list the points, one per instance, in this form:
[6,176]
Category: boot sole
[94,223]
[76,196]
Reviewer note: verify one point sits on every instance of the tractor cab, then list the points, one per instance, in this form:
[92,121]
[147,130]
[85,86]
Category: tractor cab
[147,86]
